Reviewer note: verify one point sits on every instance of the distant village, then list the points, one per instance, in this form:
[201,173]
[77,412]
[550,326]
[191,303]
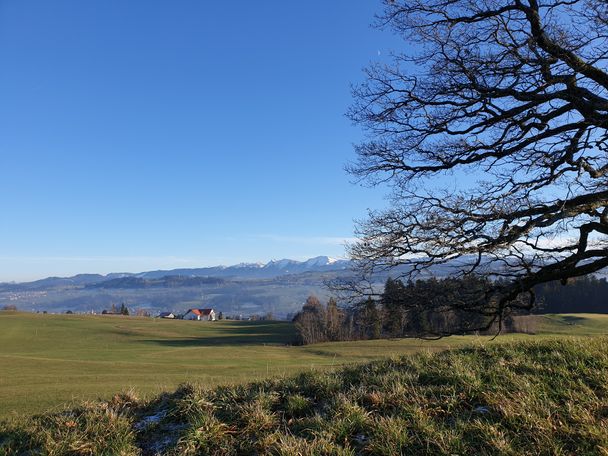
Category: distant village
[195,314]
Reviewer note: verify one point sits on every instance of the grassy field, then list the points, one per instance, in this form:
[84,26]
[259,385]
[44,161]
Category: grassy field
[544,396]
[49,361]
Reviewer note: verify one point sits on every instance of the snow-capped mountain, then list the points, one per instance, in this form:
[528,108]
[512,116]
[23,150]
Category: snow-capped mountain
[242,271]
[320,263]
[271,269]
[281,264]
[246,265]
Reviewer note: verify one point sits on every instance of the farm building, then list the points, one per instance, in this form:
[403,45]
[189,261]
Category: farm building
[200,314]
[166,315]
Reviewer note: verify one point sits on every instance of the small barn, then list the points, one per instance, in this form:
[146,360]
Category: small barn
[200,314]
[166,315]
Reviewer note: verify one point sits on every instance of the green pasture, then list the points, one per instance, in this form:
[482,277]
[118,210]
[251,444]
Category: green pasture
[49,361]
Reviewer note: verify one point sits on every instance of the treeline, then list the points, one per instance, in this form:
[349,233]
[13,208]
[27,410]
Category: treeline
[122,310]
[587,294]
[425,308]
[438,307]
[319,323]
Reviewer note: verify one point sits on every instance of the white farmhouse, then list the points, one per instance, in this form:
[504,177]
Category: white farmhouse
[200,314]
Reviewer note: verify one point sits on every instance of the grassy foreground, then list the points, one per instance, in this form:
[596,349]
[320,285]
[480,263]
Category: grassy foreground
[544,397]
[48,361]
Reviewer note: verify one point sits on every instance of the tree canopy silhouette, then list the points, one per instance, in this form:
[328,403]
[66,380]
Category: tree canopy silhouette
[493,137]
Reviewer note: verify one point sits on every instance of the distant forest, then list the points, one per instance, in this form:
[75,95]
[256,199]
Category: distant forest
[439,307]
[586,294]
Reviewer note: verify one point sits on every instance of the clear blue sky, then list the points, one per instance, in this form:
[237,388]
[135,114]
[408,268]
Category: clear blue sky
[145,134]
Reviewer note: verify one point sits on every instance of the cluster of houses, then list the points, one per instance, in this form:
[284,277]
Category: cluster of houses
[192,314]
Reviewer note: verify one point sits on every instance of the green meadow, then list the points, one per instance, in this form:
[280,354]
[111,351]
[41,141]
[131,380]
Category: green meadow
[51,361]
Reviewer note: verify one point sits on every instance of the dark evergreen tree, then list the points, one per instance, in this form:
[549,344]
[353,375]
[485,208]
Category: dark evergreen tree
[392,301]
[369,321]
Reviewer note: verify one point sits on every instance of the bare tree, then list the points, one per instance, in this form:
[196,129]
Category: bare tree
[311,321]
[493,137]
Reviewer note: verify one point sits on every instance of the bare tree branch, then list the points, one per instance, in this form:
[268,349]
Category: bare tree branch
[494,139]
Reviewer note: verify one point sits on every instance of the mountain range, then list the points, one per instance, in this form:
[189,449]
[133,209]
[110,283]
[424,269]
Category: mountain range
[279,286]
[272,269]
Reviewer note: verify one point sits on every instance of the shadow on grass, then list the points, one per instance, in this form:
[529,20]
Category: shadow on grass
[12,438]
[246,333]
[572,320]
[233,333]
[325,353]
[217,341]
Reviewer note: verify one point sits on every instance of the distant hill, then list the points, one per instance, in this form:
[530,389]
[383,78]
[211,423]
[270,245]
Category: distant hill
[279,287]
[271,269]
[162,282]
[242,271]
[55,282]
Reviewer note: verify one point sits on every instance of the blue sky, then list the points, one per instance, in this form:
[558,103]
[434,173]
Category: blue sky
[156,134]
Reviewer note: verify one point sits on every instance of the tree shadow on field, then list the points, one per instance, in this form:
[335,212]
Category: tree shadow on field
[247,333]
[572,320]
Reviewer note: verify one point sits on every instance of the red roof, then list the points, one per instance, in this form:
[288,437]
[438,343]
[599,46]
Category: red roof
[200,311]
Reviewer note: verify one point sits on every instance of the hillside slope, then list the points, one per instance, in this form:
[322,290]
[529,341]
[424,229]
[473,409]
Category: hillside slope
[545,397]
